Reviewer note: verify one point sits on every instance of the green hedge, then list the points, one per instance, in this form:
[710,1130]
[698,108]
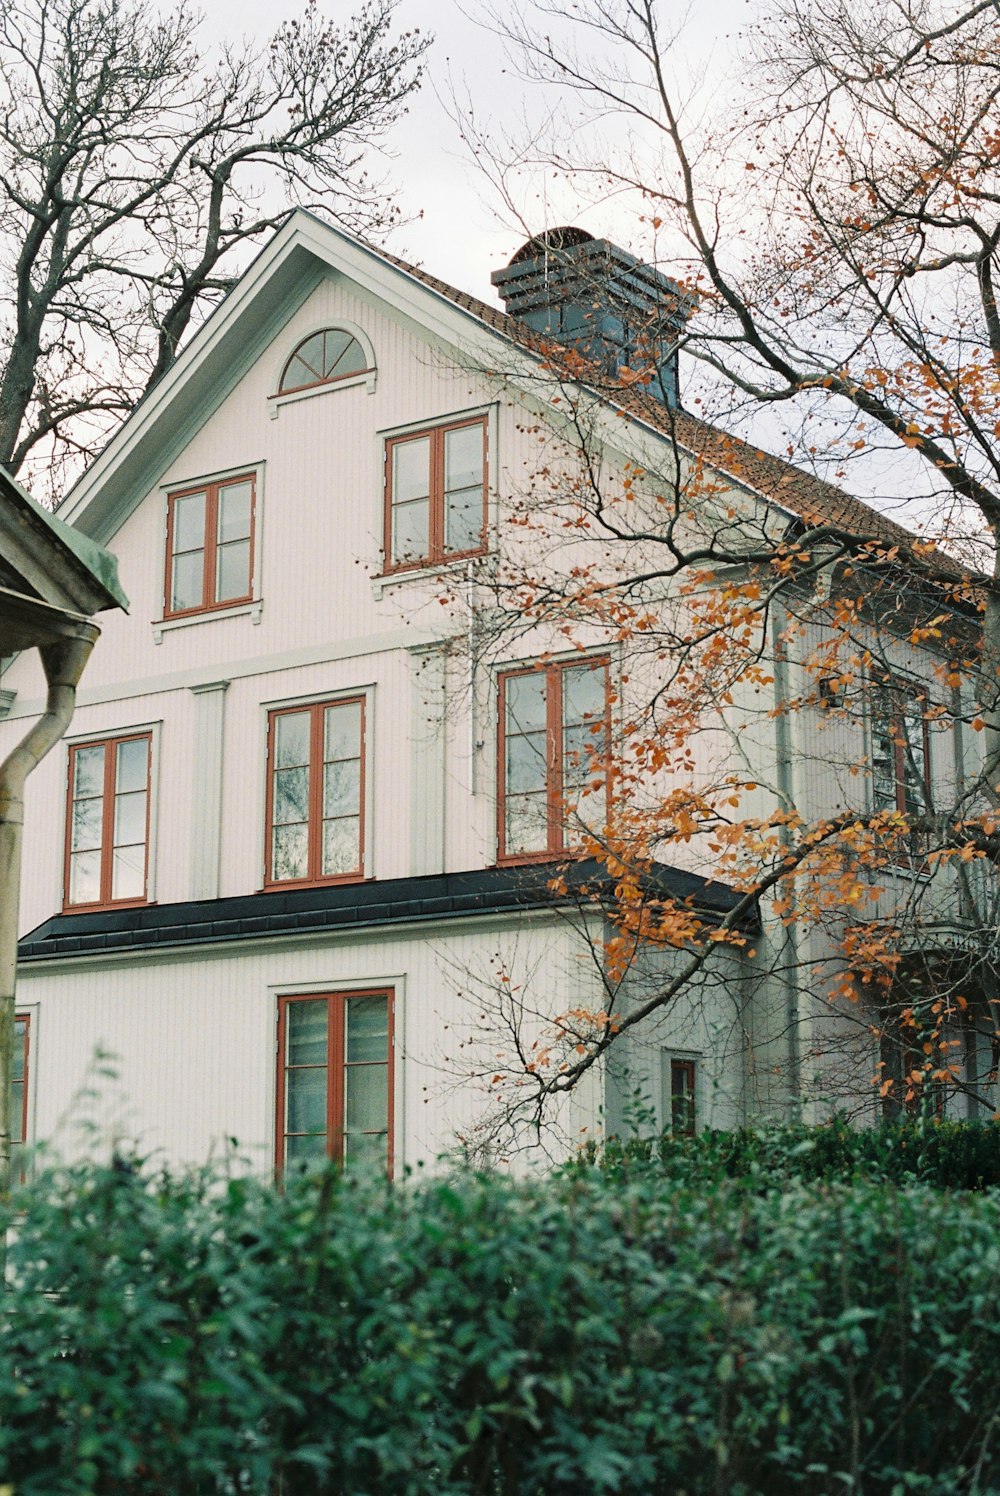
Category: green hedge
[948,1155]
[578,1335]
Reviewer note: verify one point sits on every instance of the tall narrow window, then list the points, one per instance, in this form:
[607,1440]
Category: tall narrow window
[555,735]
[107,832]
[335,1056]
[901,757]
[315,808]
[435,485]
[210,546]
[19,1081]
[682,1077]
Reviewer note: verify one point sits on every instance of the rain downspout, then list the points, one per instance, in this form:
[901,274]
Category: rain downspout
[63,662]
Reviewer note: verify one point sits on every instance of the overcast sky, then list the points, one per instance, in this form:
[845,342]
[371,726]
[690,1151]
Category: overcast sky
[461,234]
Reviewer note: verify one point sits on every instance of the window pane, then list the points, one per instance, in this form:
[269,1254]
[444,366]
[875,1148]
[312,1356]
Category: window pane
[306,364]
[305,1151]
[342,788]
[291,797]
[88,771]
[367,1151]
[20,1045]
[411,531]
[132,765]
[85,878]
[17,1112]
[342,730]
[88,821]
[306,1029]
[341,846]
[189,523]
[344,355]
[289,853]
[463,520]
[234,512]
[526,767]
[128,872]
[232,570]
[463,458]
[411,470]
[130,818]
[291,739]
[583,693]
[188,583]
[367,1101]
[306,1100]
[367,1028]
[525,698]
[526,824]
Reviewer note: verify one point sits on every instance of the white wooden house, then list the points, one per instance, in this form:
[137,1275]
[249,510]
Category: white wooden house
[286,847]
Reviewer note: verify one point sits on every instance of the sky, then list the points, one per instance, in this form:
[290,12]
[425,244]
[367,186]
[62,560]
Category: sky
[457,228]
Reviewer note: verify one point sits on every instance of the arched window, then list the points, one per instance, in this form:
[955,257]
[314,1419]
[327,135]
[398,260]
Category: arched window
[323,358]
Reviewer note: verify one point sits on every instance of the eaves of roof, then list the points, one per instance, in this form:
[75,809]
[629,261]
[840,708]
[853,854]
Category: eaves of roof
[339,908]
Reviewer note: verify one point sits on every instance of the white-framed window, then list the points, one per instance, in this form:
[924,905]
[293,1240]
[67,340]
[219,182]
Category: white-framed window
[680,1092]
[337,355]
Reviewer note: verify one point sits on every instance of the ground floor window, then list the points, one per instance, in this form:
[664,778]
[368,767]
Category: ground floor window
[680,1094]
[335,1079]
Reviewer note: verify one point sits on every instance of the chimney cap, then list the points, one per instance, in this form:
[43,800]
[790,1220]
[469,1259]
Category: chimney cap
[560,238]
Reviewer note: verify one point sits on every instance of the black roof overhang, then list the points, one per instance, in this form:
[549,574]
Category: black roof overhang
[357,906]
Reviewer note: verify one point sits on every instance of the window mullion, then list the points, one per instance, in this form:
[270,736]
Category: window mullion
[336,1024]
[208,584]
[108,822]
[436,500]
[553,686]
[314,833]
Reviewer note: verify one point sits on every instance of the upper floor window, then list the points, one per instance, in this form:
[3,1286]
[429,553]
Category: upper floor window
[210,534]
[107,834]
[901,749]
[315,801]
[435,493]
[323,358]
[555,739]
[335,1056]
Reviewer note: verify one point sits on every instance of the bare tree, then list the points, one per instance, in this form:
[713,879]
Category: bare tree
[837,240]
[133,172]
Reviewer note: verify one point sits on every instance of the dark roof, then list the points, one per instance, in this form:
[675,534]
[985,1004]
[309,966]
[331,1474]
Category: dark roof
[351,906]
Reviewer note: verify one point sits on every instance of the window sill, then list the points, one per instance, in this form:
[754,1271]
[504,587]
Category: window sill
[291,885]
[110,908]
[422,571]
[239,610]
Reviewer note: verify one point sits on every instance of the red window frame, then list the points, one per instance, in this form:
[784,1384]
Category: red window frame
[315,710]
[336,1067]
[558,843]
[436,551]
[209,602]
[107,847]
[683,1097]
[23,1019]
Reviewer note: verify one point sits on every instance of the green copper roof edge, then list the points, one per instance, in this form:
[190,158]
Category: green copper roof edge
[101,565]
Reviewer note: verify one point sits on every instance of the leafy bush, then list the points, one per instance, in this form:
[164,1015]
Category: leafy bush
[948,1155]
[466,1335]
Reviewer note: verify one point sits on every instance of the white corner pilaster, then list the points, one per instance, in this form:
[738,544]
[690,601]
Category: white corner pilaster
[428,717]
[206,836]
